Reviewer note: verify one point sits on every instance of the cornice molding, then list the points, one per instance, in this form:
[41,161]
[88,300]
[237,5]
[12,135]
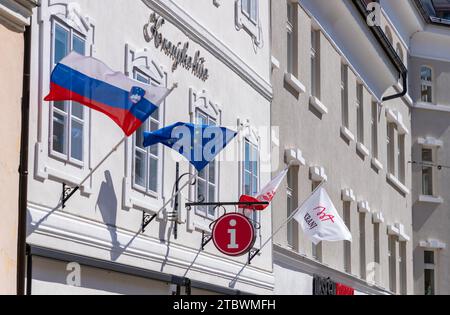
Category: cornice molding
[199,34]
[16,13]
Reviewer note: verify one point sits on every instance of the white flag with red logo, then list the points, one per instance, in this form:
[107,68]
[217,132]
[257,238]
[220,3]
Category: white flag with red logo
[320,220]
[266,194]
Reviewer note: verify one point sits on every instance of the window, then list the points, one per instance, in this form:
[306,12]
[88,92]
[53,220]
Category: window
[427,172]
[292,42]
[374,127]
[344,94]
[146,160]
[207,178]
[401,158]
[347,244]
[315,63]
[392,263]
[376,250]
[402,268]
[390,148]
[360,112]
[429,274]
[251,172]
[362,245]
[426,86]
[250,9]
[291,203]
[316,249]
[68,118]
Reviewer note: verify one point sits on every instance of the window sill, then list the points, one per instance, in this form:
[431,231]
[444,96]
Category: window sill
[347,134]
[377,164]
[292,81]
[362,149]
[396,182]
[432,106]
[431,199]
[317,104]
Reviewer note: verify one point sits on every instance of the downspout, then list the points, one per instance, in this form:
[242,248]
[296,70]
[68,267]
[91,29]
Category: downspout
[23,167]
[379,34]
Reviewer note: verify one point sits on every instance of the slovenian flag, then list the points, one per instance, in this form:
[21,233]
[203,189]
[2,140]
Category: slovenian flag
[90,82]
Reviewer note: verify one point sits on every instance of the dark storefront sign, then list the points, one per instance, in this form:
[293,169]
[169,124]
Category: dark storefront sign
[326,286]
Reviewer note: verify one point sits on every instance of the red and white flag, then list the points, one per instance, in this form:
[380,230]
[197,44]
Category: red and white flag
[320,220]
[266,194]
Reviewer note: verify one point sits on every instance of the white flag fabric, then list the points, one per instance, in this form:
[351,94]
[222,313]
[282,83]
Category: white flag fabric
[267,193]
[320,220]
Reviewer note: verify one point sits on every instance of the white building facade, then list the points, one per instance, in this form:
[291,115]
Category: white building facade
[95,244]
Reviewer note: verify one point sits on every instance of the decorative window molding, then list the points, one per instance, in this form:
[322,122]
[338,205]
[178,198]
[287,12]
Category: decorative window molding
[275,62]
[293,82]
[395,117]
[430,142]
[362,149]
[347,134]
[318,105]
[363,207]
[201,101]
[431,199]
[70,16]
[249,134]
[396,182]
[318,174]
[294,157]
[402,236]
[251,26]
[433,244]
[133,197]
[377,164]
[348,195]
[377,217]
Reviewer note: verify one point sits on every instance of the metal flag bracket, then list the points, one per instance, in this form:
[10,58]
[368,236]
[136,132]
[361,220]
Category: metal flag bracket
[67,193]
[206,238]
[252,254]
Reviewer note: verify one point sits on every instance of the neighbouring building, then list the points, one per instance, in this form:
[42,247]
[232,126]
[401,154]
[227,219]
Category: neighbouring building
[333,76]
[14,17]
[430,90]
[94,244]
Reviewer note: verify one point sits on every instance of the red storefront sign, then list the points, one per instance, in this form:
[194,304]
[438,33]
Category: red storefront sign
[344,290]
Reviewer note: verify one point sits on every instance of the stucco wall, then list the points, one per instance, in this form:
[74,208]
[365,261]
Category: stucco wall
[431,220]
[321,142]
[11,65]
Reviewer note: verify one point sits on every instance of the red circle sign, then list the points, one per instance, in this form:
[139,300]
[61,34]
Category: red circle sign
[233,234]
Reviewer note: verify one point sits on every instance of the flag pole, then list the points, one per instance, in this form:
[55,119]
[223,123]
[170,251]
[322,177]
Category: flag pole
[67,195]
[284,223]
[182,187]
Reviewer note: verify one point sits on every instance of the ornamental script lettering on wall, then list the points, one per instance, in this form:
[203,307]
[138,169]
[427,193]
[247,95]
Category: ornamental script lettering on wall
[177,52]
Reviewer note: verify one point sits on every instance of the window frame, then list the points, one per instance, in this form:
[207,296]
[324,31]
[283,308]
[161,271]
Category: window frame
[433,267]
[148,155]
[315,63]
[69,117]
[427,84]
[248,14]
[360,113]
[206,212]
[344,95]
[256,214]
[430,166]
[292,38]
[374,129]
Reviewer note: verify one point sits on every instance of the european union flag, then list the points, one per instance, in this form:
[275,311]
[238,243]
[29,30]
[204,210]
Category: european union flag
[200,144]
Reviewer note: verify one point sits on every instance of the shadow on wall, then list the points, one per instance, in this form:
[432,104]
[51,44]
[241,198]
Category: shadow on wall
[107,204]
